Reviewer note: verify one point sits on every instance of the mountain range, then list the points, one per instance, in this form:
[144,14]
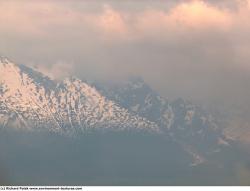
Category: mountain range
[31,101]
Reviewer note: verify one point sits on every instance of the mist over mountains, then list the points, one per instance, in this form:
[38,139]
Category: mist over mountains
[71,114]
[107,134]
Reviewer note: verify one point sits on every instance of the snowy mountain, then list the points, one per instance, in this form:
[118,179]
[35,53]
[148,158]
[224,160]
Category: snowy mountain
[33,101]
[185,123]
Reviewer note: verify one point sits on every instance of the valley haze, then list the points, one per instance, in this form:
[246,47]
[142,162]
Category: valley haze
[105,92]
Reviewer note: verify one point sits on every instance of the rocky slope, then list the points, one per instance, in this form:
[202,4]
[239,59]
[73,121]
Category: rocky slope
[30,100]
[187,124]
[33,101]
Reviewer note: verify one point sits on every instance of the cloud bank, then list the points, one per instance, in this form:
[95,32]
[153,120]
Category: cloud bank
[199,49]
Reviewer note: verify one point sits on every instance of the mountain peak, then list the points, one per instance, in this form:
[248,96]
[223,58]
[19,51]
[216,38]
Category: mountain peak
[5,63]
[38,102]
[4,60]
[32,101]
[136,82]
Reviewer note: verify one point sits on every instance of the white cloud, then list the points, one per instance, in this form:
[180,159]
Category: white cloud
[41,17]
[195,48]
[58,71]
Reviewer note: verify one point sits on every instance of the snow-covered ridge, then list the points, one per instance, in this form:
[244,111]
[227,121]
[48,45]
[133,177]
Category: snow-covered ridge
[33,101]
[185,123]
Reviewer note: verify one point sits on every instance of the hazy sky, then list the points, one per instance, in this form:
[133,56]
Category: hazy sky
[194,49]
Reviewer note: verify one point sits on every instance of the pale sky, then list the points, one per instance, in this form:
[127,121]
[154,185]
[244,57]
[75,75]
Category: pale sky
[195,49]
